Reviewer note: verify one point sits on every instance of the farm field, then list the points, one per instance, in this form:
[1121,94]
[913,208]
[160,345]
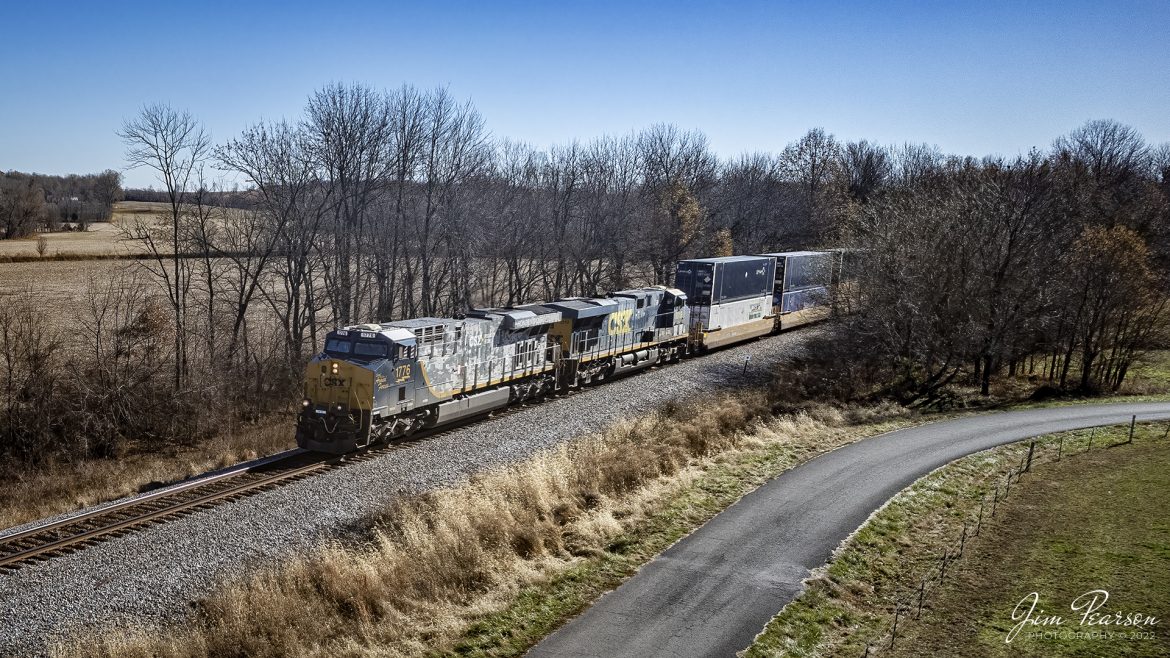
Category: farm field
[61,286]
[102,239]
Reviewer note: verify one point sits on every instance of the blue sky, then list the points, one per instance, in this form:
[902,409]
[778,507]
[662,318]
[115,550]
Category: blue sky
[975,77]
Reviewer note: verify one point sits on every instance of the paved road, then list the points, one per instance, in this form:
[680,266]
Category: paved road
[712,592]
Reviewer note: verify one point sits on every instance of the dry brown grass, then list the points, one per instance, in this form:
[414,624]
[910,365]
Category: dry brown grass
[430,566]
[65,487]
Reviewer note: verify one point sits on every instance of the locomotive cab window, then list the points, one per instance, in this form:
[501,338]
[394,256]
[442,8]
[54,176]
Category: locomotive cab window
[370,349]
[337,347]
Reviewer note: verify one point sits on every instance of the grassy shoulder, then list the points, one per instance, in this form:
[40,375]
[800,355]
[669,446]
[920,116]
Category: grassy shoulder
[1095,519]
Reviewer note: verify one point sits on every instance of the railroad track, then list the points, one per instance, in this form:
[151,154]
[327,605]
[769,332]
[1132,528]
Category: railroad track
[46,542]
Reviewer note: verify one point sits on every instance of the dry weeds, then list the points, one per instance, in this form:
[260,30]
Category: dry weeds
[427,569]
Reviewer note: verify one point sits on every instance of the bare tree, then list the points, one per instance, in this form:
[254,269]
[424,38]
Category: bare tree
[866,168]
[913,163]
[755,203]
[22,207]
[118,397]
[30,370]
[810,162]
[287,222]
[1109,149]
[175,145]
[349,130]
[457,148]
[408,107]
[678,170]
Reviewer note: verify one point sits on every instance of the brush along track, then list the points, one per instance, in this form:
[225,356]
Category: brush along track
[45,542]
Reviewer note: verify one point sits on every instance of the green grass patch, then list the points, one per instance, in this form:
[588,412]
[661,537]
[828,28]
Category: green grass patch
[1150,374]
[1094,519]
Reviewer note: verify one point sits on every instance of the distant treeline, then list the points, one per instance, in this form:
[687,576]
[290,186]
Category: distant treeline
[37,202]
[223,199]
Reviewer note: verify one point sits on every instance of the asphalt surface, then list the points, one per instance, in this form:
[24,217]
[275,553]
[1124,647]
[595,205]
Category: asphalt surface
[713,591]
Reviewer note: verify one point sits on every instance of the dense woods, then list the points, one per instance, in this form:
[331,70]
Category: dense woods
[383,205]
[1051,265]
[35,202]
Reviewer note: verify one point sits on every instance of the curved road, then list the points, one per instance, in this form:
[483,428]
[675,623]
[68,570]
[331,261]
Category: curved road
[713,591]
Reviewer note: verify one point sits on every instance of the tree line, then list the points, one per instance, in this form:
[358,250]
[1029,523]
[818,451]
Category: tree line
[377,205]
[1051,265]
[37,202]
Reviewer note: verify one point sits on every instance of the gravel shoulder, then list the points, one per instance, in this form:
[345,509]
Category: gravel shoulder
[152,575]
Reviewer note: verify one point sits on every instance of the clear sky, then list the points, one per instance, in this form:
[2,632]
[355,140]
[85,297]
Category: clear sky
[976,77]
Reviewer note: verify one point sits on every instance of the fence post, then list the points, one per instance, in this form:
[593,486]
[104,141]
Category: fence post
[1132,422]
[963,539]
[866,655]
[995,502]
[894,631]
[1091,435]
[1060,447]
[921,596]
[979,521]
[745,363]
[1167,432]
[1008,486]
[942,572]
[1031,449]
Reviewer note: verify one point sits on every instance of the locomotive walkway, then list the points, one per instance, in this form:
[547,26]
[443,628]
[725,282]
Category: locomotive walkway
[713,591]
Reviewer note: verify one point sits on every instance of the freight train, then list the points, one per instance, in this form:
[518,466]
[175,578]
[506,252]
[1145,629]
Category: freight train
[377,382]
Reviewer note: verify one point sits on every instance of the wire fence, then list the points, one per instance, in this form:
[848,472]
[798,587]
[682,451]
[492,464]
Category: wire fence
[911,597]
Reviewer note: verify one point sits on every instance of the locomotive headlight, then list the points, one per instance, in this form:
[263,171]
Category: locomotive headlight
[335,368]
[306,402]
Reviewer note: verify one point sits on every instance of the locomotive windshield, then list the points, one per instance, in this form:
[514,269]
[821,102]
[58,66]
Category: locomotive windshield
[370,349]
[337,347]
[344,348]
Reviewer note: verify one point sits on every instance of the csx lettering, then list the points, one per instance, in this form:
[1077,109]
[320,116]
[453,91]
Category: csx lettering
[401,373]
[334,381]
[619,322]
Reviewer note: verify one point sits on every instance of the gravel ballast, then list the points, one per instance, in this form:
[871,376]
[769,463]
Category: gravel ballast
[151,576]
